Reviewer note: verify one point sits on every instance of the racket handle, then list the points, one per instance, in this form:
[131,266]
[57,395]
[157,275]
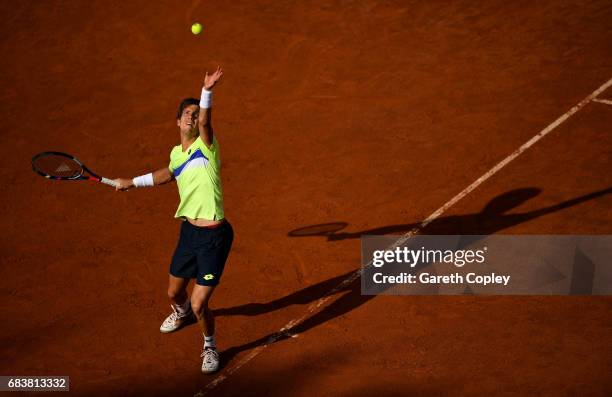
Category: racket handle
[109,182]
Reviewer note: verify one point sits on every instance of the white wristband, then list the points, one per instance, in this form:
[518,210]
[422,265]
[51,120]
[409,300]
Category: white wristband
[206,99]
[143,180]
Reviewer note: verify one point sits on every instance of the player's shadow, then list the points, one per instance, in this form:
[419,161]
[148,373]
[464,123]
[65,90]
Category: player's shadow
[493,218]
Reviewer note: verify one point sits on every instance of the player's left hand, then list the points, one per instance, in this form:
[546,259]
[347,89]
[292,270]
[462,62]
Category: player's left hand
[211,79]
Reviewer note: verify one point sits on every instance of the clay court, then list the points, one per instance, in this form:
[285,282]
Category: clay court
[371,115]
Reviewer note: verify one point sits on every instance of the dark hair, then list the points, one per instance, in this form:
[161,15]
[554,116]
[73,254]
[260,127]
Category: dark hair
[184,103]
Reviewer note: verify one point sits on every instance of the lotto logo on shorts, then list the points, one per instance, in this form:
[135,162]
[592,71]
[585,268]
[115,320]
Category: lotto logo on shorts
[208,277]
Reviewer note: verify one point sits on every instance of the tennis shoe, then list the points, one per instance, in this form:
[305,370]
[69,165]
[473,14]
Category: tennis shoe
[176,320]
[210,360]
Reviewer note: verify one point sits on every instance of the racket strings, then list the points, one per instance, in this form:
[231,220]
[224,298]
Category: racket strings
[58,166]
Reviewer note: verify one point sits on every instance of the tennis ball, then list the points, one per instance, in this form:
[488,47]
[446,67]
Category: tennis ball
[196,28]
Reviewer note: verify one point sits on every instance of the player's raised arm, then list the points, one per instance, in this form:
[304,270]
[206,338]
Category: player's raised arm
[159,177]
[205,116]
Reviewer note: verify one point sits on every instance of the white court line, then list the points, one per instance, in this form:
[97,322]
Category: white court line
[286,330]
[606,101]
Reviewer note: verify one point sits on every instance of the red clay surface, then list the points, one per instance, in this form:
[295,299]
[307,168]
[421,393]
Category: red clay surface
[369,113]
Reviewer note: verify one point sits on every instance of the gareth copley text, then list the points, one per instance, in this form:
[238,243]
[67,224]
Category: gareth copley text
[427,278]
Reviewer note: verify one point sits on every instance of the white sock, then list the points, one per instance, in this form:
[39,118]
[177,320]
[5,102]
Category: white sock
[184,308]
[209,341]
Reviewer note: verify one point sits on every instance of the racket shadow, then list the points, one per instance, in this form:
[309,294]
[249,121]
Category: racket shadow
[322,229]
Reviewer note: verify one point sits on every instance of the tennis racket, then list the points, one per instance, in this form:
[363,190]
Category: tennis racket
[64,167]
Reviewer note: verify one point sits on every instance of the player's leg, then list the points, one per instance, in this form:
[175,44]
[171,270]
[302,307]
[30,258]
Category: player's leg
[182,268]
[200,297]
[182,313]
[177,290]
[212,253]
[199,302]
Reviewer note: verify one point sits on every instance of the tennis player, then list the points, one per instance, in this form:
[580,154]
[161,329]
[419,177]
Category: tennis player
[205,236]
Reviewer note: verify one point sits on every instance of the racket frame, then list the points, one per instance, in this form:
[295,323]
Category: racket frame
[92,177]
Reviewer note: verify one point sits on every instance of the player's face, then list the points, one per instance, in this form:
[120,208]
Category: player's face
[189,119]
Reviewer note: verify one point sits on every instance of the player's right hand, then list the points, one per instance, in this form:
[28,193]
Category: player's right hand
[124,184]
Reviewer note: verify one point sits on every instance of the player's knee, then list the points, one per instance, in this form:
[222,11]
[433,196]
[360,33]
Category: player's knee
[196,306]
[174,294]
[199,307]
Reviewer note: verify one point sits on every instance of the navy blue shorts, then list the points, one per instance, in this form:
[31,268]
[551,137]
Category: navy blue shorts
[201,252]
